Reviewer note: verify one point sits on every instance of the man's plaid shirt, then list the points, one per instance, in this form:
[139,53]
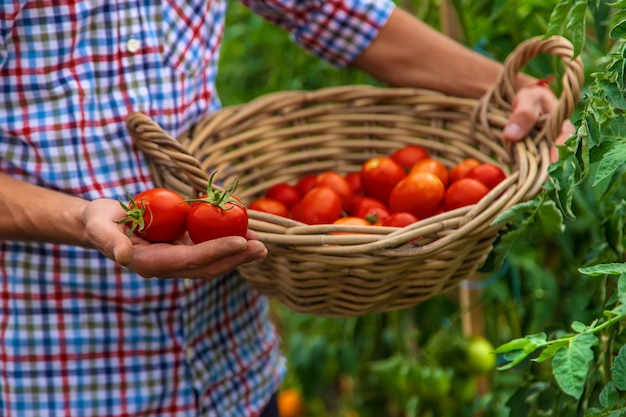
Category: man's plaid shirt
[80,335]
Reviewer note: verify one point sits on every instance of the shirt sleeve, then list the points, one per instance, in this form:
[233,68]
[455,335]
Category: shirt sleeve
[335,30]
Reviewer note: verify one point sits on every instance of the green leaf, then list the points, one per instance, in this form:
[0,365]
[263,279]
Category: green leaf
[604,269]
[612,160]
[577,25]
[618,31]
[618,370]
[557,19]
[579,327]
[571,364]
[551,349]
[608,396]
[517,350]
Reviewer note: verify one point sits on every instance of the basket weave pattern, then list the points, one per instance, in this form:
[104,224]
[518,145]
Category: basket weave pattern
[283,136]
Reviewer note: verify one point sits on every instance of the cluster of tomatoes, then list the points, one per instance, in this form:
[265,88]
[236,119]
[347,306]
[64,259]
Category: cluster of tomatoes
[160,215]
[394,190]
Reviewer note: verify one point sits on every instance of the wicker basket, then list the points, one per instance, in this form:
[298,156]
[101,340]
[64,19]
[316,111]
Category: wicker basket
[283,136]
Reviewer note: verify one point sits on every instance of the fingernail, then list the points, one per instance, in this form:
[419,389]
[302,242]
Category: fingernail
[512,131]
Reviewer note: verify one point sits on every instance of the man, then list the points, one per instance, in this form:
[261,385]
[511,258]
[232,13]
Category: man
[97,323]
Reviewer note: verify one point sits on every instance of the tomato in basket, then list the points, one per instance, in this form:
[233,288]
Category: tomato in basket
[461,169]
[286,193]
[409,155]
[361,202]
[400,219]
[373,214]
[464,192]
[420,193]
[379,175]
[321,205]
[305,184]
[269,205]
[354,179]
[433,166]
[338,183]
[489,174]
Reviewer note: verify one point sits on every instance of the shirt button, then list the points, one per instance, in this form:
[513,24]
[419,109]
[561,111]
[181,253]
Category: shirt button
[132,45]
[190,353]
[188,283]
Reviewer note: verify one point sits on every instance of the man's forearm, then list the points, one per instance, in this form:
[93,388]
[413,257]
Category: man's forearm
[28,212]
[408,52]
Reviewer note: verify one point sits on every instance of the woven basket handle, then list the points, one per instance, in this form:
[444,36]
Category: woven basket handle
[167,156]
[572,81]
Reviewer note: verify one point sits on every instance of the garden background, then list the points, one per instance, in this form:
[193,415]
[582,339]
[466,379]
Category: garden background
[551,298]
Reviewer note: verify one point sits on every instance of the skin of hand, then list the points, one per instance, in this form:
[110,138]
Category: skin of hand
[528,105]
[75,221]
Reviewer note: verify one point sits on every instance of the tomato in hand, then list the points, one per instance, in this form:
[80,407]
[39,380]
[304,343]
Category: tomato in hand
[464,192]
[338,183]
[157,215]
[321,205]
[420,194]
[461,169]
[400,219]
[269,205]
[409,155]
[284,192]
[434,167]
[379,175]
[489,174]
[216,214]
[305,184]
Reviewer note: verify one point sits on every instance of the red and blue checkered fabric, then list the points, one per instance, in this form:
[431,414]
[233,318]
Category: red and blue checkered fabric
[79,335]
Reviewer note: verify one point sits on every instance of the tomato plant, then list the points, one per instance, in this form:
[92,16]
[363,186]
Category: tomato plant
[284,192]
[216,214]
[269,205]
[489,174]
[480,355]
[419,193]
[464,192]
[156,215]
[321,205]
[409,155]
[379,175]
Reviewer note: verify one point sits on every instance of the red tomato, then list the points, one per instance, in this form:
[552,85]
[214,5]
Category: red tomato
[489,174]
[269,205]
[217,214]
[420,194]
[286,193]
[305,184]
[157,215]
[400,219]
[354,179]
[379,175]
[321,205]
[362,201]
[434,167]
[373,214]
[338,183]
[461,169]
[350,220]
[409,155]
[464,192]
